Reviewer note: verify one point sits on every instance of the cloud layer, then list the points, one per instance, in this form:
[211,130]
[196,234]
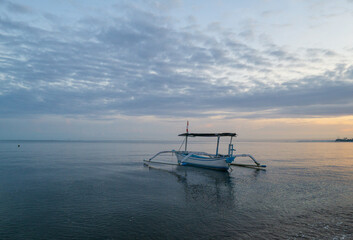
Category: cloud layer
[138,62]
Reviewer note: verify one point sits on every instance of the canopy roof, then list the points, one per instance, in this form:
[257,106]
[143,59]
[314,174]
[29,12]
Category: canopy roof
[208,134]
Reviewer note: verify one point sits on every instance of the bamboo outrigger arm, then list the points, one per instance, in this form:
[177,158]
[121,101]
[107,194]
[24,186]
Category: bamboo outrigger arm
[159,154]
[173,151]
[247,155]
[258,165]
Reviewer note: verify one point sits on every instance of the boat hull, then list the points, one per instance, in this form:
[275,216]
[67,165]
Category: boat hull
[217,163]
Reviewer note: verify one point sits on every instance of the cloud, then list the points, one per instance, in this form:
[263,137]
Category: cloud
[16,8]
[139,63]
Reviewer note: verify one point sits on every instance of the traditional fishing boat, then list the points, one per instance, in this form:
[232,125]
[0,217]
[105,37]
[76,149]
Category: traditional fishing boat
[215,161]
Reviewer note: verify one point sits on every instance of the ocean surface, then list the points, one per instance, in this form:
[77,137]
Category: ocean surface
[102,190]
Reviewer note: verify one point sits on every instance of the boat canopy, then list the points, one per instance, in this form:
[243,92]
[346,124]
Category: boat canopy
[208,134]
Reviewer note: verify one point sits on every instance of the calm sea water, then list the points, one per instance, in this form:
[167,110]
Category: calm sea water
[102,190]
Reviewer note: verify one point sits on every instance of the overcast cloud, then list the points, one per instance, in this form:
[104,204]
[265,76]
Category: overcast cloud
[136,61]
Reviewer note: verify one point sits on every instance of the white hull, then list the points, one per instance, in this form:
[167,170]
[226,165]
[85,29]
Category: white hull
[219,163]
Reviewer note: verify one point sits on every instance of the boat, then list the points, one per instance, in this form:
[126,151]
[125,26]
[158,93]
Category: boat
[214,161]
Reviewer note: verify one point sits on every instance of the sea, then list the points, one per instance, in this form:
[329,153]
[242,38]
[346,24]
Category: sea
[103,190]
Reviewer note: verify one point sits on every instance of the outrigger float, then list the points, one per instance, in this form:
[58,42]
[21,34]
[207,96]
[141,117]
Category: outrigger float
[215,161]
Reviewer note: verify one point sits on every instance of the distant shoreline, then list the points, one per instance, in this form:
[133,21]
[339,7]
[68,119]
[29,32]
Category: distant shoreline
[344,140]
[316,141]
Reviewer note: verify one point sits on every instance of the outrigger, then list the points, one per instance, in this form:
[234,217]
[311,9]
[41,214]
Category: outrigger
[215,161]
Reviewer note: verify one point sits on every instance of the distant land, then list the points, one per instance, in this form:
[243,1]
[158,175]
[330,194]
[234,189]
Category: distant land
[316,141]
[344,140]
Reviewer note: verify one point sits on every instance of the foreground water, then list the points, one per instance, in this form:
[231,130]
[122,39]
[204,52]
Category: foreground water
[101,190]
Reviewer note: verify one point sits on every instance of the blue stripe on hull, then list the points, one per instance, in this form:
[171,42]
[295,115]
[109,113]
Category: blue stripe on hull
[206,159]
[205,166]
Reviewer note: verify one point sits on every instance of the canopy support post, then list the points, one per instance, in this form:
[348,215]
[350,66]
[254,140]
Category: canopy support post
[186,143]
[217,145]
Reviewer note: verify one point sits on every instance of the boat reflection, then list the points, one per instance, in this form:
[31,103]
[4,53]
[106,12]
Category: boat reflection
[207,188]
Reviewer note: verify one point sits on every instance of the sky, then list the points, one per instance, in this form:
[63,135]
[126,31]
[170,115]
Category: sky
[110,70]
